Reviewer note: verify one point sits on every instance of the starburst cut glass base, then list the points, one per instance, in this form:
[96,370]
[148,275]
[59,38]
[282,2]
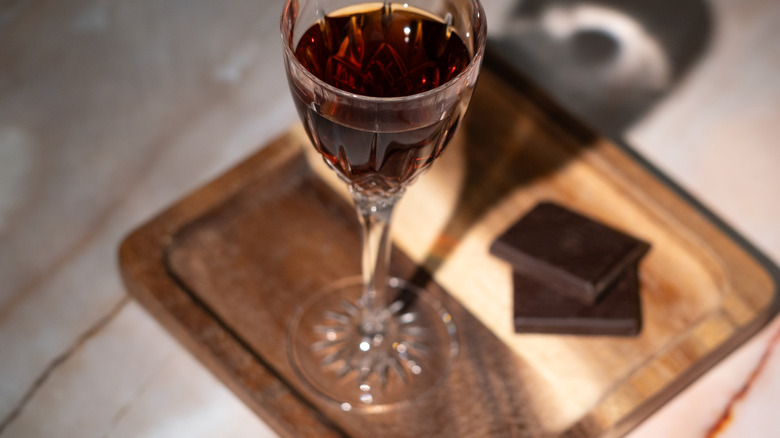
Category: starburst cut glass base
[372,370]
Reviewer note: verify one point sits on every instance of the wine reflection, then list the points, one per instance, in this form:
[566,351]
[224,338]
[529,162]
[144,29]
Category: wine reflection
[510,138]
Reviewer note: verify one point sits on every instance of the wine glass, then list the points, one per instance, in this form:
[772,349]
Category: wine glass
[380,88]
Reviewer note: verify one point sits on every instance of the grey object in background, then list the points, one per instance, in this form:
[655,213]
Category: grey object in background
[608,61]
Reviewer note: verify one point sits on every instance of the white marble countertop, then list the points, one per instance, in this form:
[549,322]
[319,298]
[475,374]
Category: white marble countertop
[111,110]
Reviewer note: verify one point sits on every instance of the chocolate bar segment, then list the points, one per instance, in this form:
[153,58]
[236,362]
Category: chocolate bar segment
[540,310]
[569,253]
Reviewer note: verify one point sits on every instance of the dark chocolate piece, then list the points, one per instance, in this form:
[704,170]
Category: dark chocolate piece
[567,252]
[539,310]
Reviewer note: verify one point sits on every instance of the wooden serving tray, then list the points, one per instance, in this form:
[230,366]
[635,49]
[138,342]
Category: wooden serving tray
[224,268]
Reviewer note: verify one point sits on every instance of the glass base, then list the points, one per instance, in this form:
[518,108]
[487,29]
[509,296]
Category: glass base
[372,370]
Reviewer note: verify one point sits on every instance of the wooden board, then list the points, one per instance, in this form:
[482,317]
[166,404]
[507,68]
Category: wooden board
[224,268]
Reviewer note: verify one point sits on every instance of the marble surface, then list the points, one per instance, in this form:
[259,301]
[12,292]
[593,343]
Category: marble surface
[111,110]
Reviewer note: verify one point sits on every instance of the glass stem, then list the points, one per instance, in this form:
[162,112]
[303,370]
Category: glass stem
[374,214]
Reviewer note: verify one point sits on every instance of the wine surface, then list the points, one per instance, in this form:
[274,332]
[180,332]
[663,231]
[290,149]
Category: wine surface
[382,50]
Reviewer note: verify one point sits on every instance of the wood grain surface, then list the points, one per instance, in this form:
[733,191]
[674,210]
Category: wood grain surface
[224,268]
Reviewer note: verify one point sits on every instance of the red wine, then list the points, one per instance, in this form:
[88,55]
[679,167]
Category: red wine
[380,50]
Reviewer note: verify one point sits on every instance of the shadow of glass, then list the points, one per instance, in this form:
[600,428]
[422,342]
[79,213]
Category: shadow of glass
[605,61]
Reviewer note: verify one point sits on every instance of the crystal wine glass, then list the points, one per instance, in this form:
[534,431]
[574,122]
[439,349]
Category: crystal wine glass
[380,88]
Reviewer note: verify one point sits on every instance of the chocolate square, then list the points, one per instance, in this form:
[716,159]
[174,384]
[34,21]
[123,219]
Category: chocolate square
[567,252]
[540,310]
